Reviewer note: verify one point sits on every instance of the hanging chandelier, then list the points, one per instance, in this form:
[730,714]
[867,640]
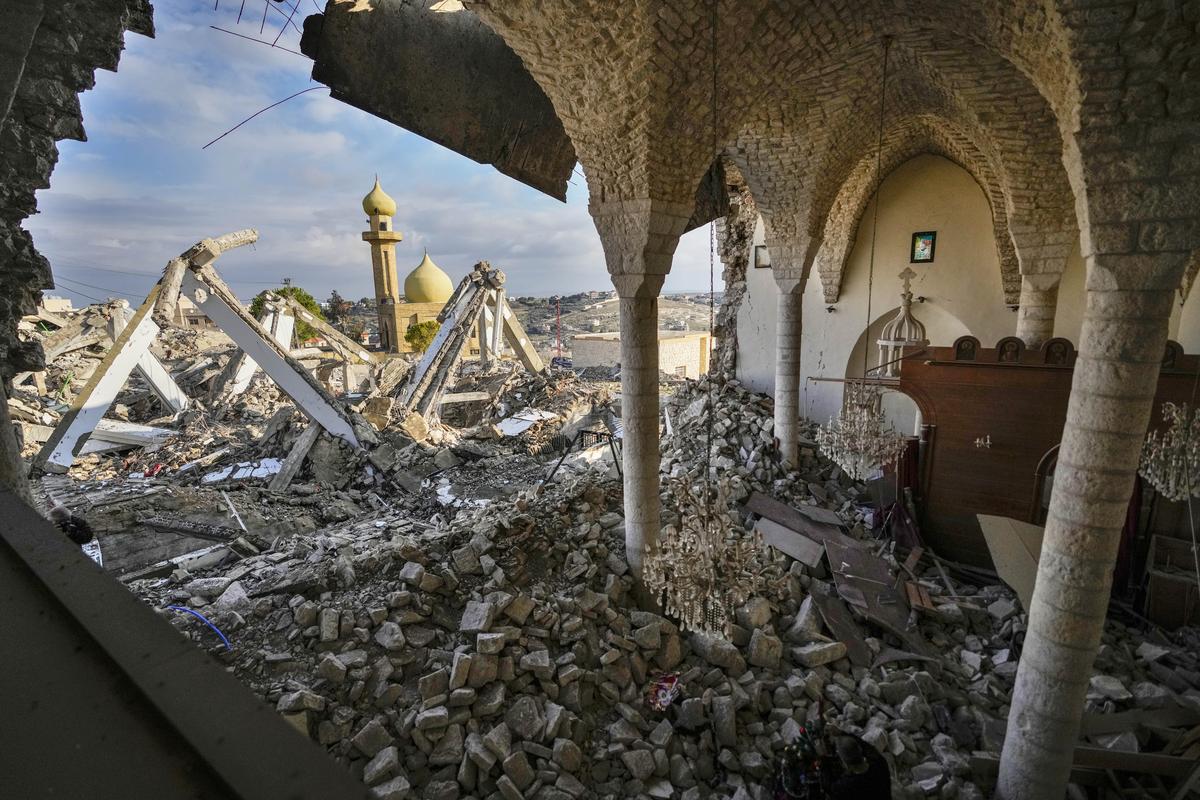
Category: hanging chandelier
[860,440]
[1171,462]
[707,566]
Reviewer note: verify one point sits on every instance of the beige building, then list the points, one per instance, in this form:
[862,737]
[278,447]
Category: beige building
[681,353]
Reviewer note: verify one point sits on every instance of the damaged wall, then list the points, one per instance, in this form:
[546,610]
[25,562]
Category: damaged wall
[963,283]
[48,54]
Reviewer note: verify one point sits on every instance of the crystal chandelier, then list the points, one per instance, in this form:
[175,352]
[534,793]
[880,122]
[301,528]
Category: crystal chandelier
[860,441]
[707,566]
[1171,463]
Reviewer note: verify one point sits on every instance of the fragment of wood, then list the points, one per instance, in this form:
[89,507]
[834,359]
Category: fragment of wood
[914,557]
[790,542]
[39,382]
[843,627]
[918,596]
[792,518]
[295,458]
[867,582]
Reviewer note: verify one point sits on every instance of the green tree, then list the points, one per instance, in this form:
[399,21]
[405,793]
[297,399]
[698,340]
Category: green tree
[303,329]
[338,307]
[420,336]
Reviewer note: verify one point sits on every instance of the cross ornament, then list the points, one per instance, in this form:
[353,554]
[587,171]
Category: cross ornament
[906,276]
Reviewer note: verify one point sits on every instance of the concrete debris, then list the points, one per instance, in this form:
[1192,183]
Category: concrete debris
[492,645]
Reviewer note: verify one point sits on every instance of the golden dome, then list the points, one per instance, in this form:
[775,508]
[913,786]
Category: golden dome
[379,202]
[427,283]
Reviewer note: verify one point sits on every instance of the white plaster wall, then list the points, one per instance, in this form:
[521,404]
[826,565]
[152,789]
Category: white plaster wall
[756,326]
[962,286]
[1068,316]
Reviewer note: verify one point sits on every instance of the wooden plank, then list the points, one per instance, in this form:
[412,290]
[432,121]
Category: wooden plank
[859,574]
[1015,547]
[914,558]
[843,627]
[1141,763]
[791,518]
[787,541]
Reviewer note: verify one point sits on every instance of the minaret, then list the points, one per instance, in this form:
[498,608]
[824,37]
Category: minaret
[380,208]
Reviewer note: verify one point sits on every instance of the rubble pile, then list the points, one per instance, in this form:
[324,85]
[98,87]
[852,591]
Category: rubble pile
[744,453]
[502,652]
[447,626]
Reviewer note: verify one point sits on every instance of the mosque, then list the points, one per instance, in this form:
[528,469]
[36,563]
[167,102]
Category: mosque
[426,288]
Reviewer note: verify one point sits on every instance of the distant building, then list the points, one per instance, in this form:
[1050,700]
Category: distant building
[188,316]
[57,305]
[681,353]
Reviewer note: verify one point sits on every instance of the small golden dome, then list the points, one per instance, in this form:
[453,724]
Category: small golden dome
[427,283]
[379,202]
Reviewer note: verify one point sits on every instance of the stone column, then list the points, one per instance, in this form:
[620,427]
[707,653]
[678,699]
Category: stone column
[639,239]
[1039,301]
[793,251]
[787,368]
[1112,393]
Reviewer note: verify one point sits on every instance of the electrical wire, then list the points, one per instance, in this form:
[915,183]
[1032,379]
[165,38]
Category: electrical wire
[260,111]
[94,286]
[887,43]
[203,619]
[260,41]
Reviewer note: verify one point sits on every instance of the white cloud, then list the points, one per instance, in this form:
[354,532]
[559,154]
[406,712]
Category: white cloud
[141,189]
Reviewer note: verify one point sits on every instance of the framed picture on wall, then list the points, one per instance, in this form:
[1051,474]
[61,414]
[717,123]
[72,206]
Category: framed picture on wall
[762,259]
[923,243]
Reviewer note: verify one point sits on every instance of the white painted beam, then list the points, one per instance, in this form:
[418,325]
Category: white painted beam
[250,337]
[76,426]
[148,366]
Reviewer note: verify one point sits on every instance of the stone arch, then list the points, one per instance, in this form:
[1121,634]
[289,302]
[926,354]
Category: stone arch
[913,137]
[798,162]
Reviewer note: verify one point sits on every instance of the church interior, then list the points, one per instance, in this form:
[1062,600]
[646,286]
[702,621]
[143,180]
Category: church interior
[924,526]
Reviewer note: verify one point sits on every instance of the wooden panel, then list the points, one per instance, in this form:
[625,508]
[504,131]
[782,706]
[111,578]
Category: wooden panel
[1022,406]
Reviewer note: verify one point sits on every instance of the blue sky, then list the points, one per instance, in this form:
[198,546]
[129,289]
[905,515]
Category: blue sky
[141,189]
